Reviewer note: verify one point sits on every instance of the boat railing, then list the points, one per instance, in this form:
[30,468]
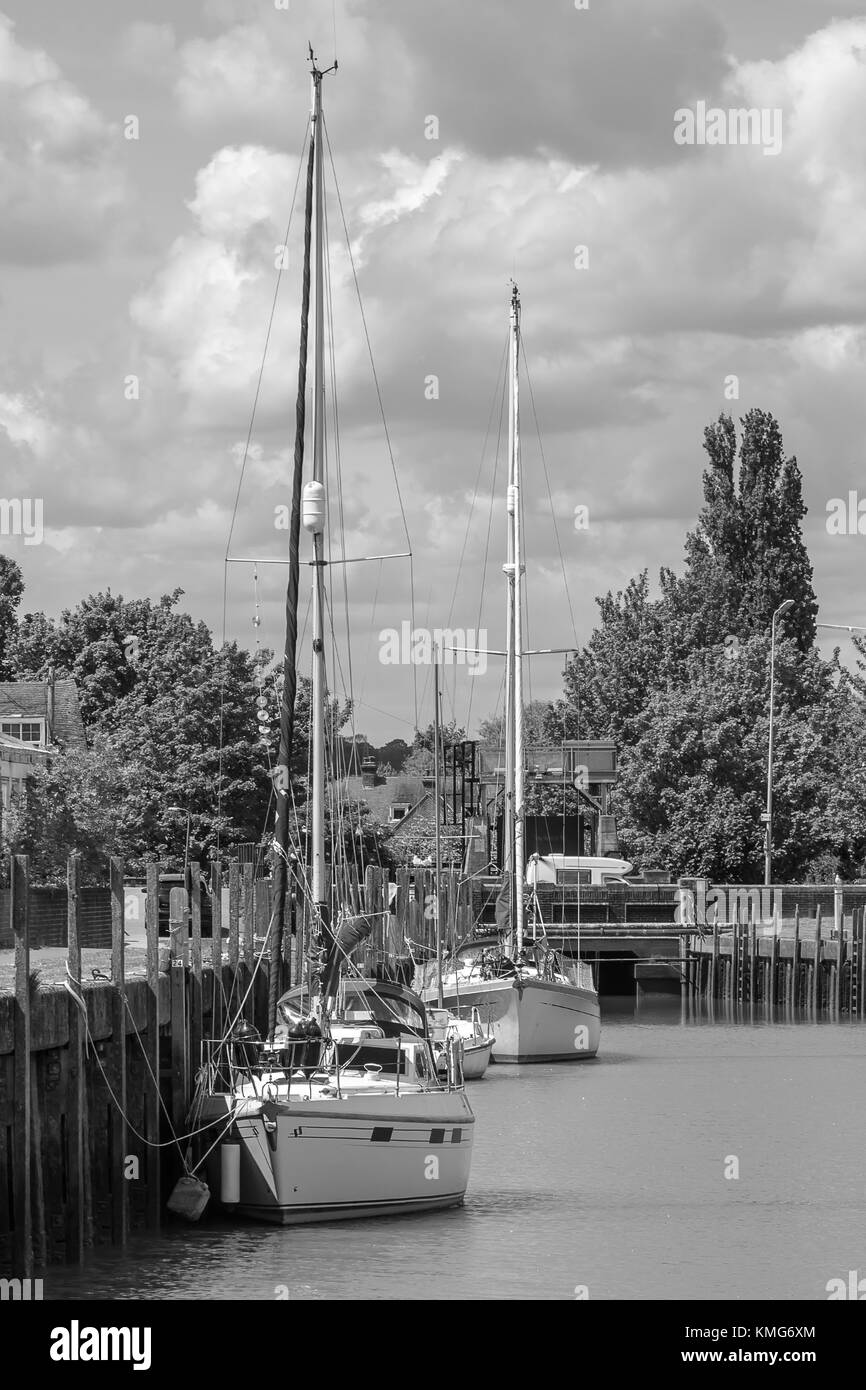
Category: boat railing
[226,1063]
[271,1071]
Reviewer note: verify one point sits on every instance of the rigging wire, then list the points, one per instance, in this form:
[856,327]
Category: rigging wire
[574,634]
[244,458]
[381,404]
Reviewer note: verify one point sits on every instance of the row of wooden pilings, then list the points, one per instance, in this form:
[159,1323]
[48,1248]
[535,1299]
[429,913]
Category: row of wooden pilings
[96,1075]
[805,970]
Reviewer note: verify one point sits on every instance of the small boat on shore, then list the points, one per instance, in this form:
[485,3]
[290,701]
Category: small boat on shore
[476,1041]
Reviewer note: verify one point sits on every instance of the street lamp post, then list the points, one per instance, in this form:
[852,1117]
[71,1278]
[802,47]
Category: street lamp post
[768,815]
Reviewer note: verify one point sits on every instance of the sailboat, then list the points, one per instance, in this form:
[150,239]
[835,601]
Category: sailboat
[540,1007]
[344,1110]
[474,1039]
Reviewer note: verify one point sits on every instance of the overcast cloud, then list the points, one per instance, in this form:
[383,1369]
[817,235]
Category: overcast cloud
[154,258]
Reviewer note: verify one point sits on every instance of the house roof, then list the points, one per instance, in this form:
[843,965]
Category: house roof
[29,700]
[401,789]
[428,796]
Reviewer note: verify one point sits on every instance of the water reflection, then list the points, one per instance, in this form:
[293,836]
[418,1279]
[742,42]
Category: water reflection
[609,1173]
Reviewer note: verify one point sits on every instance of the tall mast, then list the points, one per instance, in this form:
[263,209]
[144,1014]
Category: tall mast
[437,743]
[319,674]
[282,782]
[514,506]
[508,809]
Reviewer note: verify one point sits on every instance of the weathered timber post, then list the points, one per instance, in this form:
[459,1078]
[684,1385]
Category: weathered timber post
[197,1001]
[774,962]
[117,1061]
[816,975]
[795,961]
[21,1140]
[152,1103]
[78,1234]
[177,972]
[248,943]
[235,993]
[216,907]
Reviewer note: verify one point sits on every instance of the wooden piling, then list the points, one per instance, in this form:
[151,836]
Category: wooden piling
[152,1106]
[196,999]
[753,953]
[116,1067]
[837,970]
[712,980]
[816,970]
[247,940]
[216,908]
[235,995]
[21,1141]
[40,1244]
[853,961]
[401,903]
[795,961]
[177,975]
[77,1204]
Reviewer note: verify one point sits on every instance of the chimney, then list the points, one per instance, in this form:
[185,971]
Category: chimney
[49,723]
[368,772]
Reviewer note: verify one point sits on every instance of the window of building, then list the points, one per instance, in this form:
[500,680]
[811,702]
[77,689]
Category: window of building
[27,730]
[398,811]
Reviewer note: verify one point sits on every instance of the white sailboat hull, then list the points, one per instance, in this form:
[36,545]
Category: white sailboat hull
[357,1156]
[476,1059]
[534,1020]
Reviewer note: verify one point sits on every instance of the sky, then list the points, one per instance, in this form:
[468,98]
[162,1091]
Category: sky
[148,161]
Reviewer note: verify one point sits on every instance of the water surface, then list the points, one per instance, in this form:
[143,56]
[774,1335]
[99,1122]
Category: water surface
[608,1174]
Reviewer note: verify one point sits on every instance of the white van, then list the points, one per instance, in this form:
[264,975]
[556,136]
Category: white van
[592,870]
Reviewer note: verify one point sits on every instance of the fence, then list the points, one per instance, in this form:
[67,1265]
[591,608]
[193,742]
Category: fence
[92,1070]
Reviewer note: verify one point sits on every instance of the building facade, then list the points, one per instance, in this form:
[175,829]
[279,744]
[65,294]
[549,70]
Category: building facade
[37,718]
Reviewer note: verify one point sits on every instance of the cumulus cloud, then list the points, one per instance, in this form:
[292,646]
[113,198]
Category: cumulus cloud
[59,182]
[704,263]
[24,424]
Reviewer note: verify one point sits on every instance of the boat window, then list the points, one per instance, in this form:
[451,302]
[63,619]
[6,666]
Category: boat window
[384,1009]
[575,876]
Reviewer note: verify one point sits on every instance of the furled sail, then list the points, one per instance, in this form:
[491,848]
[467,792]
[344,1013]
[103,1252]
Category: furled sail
[349,934]
[503,904]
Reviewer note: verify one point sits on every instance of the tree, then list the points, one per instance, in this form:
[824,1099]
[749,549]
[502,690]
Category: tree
[748,553]
[681,681]
[536,724]
[608,685]
[159,700]
[11,590]
[691,787]
[85,801]
[394,754]
[420,761]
